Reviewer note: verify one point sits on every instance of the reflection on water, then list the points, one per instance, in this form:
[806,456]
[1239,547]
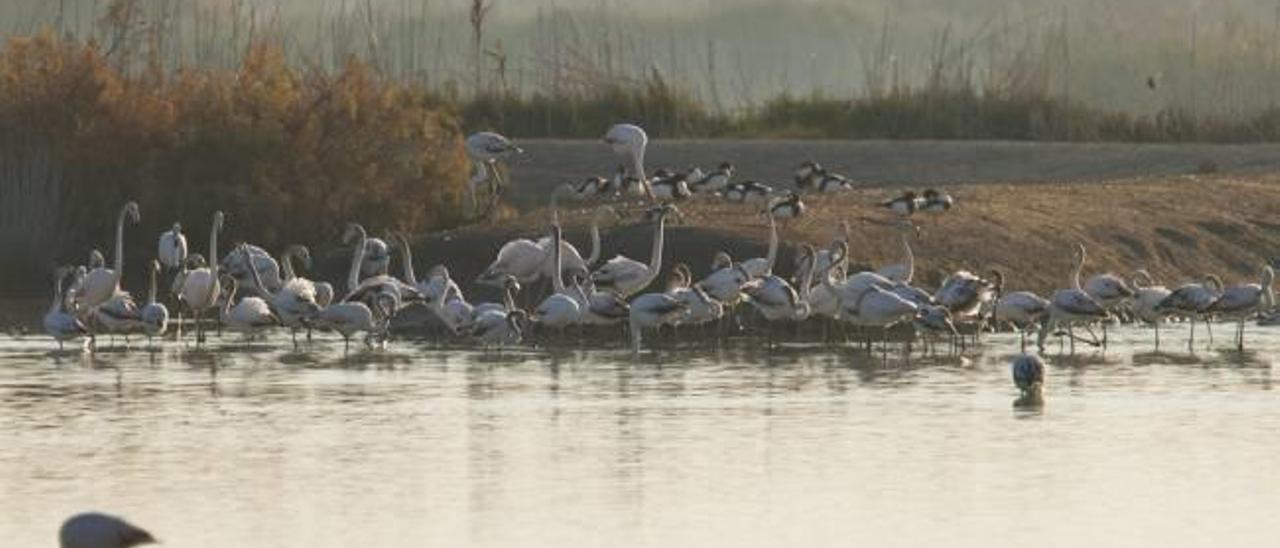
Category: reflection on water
[262,445]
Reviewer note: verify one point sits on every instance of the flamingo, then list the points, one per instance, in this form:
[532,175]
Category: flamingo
[1147,295]
[1020,308]
[500,329]
[652,310]
[1108,290]
[561,309]
[237,262]
[630,141]
[58,322]
[377,258]
[155,316]
[1243,301]
[878,307]
[366,289]
[252,314]
[172,249]
[101,283]
[1070,306]
[486,149]
[120,314]
[351,317]
[701,308]
[445,299]
[1028,376]
[597,307]
[904,271]
[1193,300]
[200,286]
[626,276]
[528,260]
[824,256]
[777,300]
[440,293]
[760,267]
[94,530]
[510,288]
[848,290]
[726,279]
[295,303]
[965,294]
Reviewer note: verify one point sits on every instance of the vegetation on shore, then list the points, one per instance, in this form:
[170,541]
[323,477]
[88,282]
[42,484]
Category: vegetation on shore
[290,154]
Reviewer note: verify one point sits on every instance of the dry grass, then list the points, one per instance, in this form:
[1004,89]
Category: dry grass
[1175,227]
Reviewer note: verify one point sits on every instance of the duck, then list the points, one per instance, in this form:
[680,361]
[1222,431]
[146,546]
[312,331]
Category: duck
[747,192]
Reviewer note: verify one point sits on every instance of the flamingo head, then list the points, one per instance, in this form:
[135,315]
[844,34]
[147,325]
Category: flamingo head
[352,232]
[721,260]
[177,228]
[131,209]
[626,139]
[195,260]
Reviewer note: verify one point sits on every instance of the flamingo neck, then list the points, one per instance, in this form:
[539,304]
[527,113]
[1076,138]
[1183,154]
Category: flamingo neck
[357,255]
[57,291]
[508,299]
[409,276]
[837,256]
[286,263]
[231,296]
[119,258]
[655,259]
[213,247]
[772,256]
[637,163]
[595,242]
[557,275]
[1075,277]
[151,294]
[909,259]
[1268,297]
[253,269]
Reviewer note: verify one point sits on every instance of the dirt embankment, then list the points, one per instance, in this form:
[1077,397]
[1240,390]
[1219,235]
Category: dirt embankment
[1176,227]
[551,162]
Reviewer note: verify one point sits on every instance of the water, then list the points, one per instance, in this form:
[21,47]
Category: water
[423,446]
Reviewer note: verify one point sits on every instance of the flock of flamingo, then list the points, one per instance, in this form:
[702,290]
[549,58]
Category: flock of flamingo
[250,291]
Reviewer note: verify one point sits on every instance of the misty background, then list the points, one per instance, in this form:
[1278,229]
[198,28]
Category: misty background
[1215,57]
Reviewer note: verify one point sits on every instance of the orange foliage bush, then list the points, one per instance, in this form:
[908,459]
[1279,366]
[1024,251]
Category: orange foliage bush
[291,155]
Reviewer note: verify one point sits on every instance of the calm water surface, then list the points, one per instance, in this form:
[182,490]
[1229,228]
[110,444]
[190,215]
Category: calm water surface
[423,446]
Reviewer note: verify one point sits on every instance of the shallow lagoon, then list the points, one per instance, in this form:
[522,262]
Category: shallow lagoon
[803,445]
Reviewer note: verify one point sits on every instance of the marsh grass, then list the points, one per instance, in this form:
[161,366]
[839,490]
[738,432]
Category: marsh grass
[290,154]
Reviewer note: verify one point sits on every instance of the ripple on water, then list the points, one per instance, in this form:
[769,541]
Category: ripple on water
[265,445]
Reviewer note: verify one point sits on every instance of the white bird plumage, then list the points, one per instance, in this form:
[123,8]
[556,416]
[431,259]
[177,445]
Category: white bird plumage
[101,283]
[201,286]
[172,248]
